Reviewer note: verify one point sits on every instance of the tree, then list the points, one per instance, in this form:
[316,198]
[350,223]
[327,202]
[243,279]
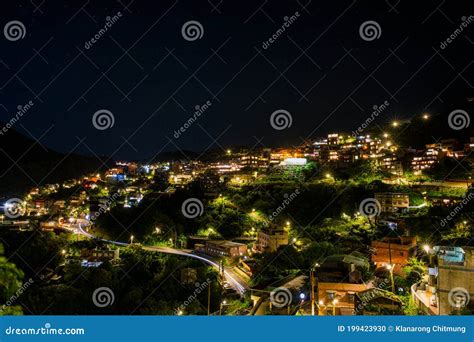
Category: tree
[10,282]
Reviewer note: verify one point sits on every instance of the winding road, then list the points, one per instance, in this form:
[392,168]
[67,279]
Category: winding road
[237,283]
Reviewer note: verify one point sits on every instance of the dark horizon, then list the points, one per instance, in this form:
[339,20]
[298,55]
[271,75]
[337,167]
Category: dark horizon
[319,69]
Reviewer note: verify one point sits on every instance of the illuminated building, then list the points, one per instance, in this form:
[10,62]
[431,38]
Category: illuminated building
[270,239]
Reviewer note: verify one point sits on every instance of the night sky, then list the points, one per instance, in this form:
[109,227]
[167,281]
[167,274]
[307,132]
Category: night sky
[150,78]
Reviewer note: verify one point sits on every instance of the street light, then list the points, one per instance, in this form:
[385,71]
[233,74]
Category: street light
[426,116]
[390,268]
[131,239]
[334,302]
[426,248]
[395,124]
[223,303]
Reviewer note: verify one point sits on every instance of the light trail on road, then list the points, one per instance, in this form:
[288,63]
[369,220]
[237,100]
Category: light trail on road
[240,287]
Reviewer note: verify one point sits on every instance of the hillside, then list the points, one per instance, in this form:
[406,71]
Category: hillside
[25,164]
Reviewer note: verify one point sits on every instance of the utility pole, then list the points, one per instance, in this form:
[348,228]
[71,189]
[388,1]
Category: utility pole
[391,266]
[313,285]
[209,299]
[311,275]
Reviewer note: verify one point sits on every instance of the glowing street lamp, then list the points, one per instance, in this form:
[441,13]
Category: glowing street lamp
[131,239]
[334,303]
[390,268]
[426,116]
[395,124]
[223,303]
